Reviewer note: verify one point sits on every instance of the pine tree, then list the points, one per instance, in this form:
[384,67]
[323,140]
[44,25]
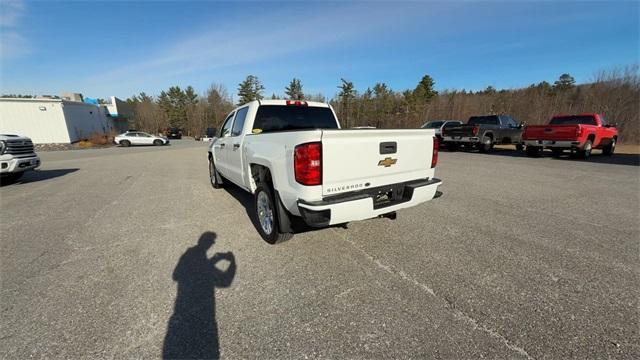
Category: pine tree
[424,92]
[250,89]
[294,90]
[347,94]
[173,102]
[564,82]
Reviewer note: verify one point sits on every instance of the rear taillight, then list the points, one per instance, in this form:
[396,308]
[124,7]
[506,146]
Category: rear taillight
[578,131]
[307,163]
[475,130]
[434,155]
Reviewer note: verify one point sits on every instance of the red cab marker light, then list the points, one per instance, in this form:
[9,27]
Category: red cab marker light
[297,103]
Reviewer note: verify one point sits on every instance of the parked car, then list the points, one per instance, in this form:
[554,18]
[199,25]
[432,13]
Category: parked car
[297,162]
[210,134]
[17,156]
[483,132]
[139,138]
[438,125]
[577,133]
[174,133]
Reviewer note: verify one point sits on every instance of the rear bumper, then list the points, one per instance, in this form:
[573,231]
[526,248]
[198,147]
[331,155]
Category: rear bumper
[360,205]
[562,144]
[19,164]
[461,139]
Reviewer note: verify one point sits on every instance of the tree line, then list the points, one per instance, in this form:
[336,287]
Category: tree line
[615,93]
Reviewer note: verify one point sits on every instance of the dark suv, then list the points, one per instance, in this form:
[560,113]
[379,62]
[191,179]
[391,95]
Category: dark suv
[174,133]
[485,131]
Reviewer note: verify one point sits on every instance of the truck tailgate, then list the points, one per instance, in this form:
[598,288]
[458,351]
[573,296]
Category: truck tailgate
[463,130]
[550,132]
[359,159]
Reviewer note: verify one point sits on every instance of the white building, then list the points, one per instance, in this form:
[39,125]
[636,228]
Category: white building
[47,120]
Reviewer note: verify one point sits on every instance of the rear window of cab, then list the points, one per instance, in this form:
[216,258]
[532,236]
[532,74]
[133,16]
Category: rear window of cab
[272,118]
[573,120]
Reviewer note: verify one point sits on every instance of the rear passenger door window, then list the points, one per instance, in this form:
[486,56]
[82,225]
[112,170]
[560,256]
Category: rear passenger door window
[238,124]
[226,127]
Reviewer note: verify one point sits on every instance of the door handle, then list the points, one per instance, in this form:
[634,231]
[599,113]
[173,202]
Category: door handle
[222,145]
[235,146]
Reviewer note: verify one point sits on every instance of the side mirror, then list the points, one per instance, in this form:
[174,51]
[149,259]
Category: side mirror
[521,125]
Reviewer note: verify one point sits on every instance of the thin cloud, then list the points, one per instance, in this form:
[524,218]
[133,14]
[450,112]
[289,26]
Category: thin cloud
[12,43]
[270,36]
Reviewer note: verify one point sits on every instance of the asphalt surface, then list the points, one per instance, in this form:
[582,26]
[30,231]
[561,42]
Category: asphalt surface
[521,258]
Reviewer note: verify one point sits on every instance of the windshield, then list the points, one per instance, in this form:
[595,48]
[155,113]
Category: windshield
[486,120]
[573,120]
[432,125]
[271,118]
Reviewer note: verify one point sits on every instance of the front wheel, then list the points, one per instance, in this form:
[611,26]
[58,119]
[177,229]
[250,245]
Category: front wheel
[10,178]
[609,149]
[158,142]
[267,216]
[214,176]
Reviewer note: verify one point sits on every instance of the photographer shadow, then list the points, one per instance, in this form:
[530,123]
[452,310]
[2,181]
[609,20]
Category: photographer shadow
[192,332]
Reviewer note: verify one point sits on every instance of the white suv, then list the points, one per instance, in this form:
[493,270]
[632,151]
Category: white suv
[139,138]
[16,156]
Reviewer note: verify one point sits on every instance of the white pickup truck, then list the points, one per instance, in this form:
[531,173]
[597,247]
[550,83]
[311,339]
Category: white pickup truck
[295,159]
[16,156]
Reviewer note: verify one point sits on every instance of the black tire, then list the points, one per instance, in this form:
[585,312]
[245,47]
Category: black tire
[158,142]
[609,149]
[486,144]
[557,152]
[452,146]
[214,176]
[264,196]
[125,143]
[10,178]
[585,153]
[532,151]
[519,147]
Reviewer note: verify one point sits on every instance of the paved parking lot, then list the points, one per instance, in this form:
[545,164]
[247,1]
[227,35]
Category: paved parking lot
[109,253]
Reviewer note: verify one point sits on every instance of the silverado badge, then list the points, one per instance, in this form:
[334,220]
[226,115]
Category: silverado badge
[387,162]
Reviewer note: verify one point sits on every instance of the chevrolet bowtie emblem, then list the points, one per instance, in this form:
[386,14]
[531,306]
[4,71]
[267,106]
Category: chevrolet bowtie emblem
[387,162]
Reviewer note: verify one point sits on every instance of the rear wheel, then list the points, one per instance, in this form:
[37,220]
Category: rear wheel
[585,153]
[486,145]
[609,149]
[267,216]
[158,142]
[532,151]
[125,143]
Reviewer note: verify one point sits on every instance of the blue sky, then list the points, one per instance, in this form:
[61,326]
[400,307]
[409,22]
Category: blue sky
[121,48]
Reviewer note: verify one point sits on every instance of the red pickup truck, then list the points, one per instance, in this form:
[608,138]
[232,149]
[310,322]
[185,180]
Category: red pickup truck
[578,133]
